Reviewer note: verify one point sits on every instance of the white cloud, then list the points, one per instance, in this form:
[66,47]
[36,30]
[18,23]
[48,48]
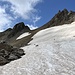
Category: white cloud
[24,9]
[32,27]
[5,20]
[35,19]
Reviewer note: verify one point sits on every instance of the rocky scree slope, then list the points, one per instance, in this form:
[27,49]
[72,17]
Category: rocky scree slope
[9,53]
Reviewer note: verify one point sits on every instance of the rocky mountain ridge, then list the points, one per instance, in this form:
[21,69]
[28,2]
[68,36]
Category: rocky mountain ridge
[20,27]
[62,17]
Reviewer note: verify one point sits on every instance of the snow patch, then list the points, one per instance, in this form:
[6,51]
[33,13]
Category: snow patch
[23,35]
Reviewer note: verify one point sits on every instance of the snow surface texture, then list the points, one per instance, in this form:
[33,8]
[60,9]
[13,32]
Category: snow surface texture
[23,35]
[51,52]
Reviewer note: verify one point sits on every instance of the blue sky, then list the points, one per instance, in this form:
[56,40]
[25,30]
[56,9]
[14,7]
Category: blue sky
[33,13]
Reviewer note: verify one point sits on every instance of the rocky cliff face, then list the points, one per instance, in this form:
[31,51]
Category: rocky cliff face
[9,53]
[12,33]
[62,17]
[19,28]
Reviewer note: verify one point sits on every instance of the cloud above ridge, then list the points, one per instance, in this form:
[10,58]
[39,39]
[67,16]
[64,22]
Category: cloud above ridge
[4,22]
[14,9]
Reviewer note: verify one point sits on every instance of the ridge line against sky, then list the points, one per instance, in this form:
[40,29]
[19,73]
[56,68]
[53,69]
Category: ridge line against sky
[33,13]
[11,10]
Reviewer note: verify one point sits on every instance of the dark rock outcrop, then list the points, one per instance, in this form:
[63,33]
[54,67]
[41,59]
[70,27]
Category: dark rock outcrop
[19,28]
[3,61]
[9,53]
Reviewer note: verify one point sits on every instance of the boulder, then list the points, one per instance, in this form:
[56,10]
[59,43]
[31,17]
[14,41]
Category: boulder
[3,61]
[4,53]
[12,57]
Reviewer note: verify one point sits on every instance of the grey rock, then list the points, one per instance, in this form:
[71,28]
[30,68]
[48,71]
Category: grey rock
[9,53]
[18,52]
[2,41]
[12,57]
[3,61]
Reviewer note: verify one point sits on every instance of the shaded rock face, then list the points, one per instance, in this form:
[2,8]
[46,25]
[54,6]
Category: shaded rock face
[3,35]
[9,53]
[62,17]
[20,27]
[9,29]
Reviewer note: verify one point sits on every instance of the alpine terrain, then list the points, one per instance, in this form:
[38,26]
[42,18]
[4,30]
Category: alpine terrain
[47,50]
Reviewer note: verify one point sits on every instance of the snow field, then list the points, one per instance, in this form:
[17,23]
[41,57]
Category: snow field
[51,52]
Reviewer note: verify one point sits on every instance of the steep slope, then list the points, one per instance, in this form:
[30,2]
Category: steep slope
[3,35]
[51,52]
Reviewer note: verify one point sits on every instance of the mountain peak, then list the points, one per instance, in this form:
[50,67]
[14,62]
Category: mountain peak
[62,17]
[20,27]
[65,11]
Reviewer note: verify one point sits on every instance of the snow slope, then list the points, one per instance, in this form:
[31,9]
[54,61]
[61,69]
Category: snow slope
[23,35]
[51,52]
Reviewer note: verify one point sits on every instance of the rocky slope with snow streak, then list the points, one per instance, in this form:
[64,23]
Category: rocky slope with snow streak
[23,35]
[51,52]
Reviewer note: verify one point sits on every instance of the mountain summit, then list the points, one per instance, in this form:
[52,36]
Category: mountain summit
[62,17]
[19,28]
